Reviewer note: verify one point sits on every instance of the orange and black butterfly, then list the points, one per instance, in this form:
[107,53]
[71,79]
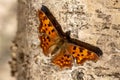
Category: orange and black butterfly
[64,49]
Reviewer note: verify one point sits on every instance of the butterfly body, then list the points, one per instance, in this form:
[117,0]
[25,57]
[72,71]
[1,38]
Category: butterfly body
[64,49]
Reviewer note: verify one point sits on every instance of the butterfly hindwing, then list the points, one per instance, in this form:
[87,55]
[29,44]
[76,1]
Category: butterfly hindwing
[81,54]
[63,59]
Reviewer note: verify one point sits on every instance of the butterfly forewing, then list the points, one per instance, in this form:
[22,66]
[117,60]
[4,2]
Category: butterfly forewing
[49,34]
[46,43]
[46,26]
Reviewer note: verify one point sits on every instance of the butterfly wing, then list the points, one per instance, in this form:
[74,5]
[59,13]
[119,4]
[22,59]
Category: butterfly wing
[82,51]
[49,28]
[49,35]
[78,51]
[63,59]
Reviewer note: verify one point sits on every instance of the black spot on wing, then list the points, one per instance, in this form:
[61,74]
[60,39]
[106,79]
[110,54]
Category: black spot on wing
[74,48]
[53,20]
[48,38]
[44,39]
[52,30]
[67,56]
[87,46]
[49,24]
[45,25]
[89,52]
[49,32]
[78,54]
[47,43]
[61,61]
[82,54]
[81,49]
[46,29]
[73,52]
[45,18]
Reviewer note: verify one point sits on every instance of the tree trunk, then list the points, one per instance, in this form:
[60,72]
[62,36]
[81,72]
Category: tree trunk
[93,21]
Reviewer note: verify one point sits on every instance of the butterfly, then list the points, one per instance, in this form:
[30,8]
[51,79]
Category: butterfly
[63,49]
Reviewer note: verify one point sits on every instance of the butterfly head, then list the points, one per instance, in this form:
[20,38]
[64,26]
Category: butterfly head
[67,34]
